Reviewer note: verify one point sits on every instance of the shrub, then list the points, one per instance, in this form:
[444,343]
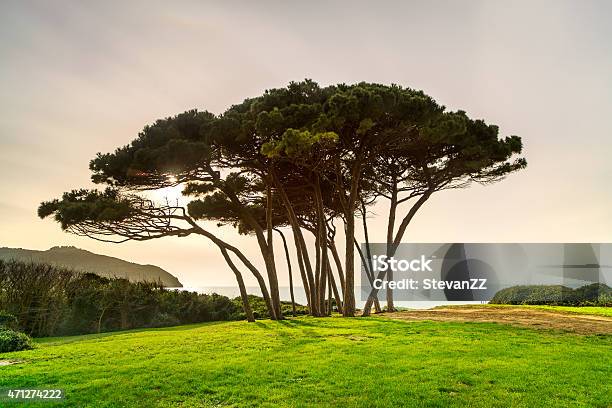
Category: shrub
[11,340]
[54,301]
[7,320]
[595,294]
[164,320]
[550,295]
[260,311]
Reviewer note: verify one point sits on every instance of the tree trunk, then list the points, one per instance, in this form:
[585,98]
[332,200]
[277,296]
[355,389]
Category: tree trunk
[243,293]
[322,240]
[396,242]
[270,269]
[300,244]
[390,229]
[329,292]
[367,263]
[289,268]
[349,270]
[298,250]
[260,280]
[332,282]
[318,276]
[338,262]
[349,213]
[269,255]
[369,275]
[247,217]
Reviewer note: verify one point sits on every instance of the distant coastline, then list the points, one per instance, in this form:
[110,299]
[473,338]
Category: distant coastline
[86,261]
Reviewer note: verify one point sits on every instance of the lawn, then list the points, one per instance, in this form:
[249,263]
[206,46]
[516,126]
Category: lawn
[588,310]
[360,362]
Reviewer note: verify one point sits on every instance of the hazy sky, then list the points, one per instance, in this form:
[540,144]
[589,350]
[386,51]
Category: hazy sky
[77,78]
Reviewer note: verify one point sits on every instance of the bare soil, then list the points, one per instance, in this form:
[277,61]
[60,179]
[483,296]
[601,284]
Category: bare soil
[539,319]
[9,362]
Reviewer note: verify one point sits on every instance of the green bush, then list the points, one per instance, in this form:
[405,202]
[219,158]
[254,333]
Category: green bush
[550,294]
[595,294]
[7,320]
[54,301]
[11,340]
[260,311]
[164,320]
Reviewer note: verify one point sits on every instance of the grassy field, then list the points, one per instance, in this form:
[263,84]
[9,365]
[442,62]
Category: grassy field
[588,310]
[361,362]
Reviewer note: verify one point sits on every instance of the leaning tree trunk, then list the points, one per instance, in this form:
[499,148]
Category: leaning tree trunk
[338,263]
[337,294]
[243,293]
[247,217]
[272,280]
[269,255]
[302,250]
[271,271]
[260,280]
[305,282]
[367,263]
[396,242]
[369,274]
[289,269]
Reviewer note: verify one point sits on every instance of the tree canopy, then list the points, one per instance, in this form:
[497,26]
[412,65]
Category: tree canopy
[301,157]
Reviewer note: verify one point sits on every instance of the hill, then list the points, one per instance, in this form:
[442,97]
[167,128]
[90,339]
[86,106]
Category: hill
[85,261]
[327,362]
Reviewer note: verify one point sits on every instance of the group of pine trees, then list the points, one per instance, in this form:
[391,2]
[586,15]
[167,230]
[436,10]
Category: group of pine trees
[301,161]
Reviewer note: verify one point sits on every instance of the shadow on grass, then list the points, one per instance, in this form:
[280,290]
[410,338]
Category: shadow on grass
[94,336]
[311,327]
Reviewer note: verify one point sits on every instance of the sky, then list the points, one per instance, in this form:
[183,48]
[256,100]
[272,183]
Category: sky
[77,78]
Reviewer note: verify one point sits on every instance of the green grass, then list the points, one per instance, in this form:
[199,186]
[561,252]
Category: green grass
[588,310]
[335,362]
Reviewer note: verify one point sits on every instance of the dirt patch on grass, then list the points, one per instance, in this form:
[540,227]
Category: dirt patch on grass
[9,362]
[541,319]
